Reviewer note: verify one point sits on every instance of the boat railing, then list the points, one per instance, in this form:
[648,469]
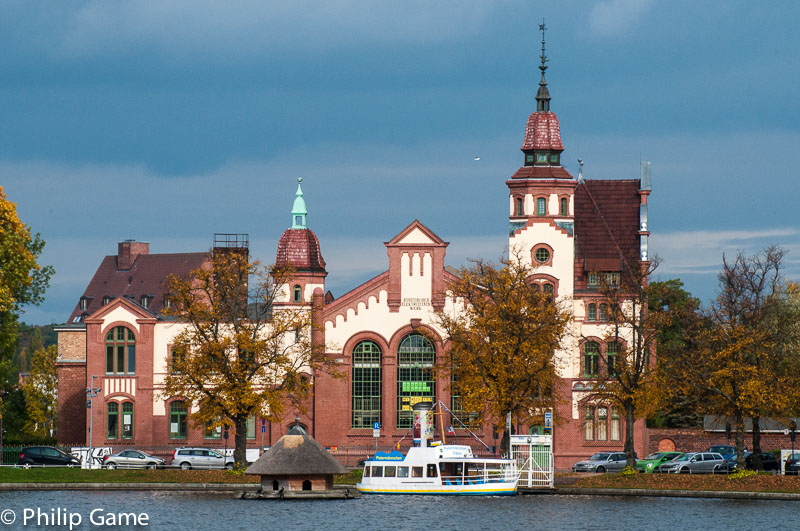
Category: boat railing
[488,476]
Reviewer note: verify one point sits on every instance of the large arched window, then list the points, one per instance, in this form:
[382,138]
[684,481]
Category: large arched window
[366,384]
[415,381]
[591,359]
[112,420]
[177,420]
[120,351]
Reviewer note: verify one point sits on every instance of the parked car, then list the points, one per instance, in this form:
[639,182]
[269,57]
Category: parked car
[726,450]
[693,463]
[768,462]
[46,456]
[132,459]
[653,461]
[792,467]
[602,462]
[187,458]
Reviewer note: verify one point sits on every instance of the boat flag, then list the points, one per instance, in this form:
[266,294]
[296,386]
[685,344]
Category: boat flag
[450,430]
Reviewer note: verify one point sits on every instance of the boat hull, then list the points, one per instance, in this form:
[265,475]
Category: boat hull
[501,489]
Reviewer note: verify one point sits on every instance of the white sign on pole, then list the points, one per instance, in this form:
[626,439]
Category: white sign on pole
[376,429]
[508,422]
[548,419]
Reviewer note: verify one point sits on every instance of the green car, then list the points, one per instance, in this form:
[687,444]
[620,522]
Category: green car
[652,461]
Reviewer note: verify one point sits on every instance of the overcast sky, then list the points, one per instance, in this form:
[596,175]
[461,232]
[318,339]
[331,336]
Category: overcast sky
[168,121]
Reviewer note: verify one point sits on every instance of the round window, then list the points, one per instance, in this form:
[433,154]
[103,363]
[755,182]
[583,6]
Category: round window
[542,255]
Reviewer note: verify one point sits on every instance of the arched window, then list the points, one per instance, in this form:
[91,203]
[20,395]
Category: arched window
[297,294]
[547,288]
[519,210]
[367,384]
[591,359]
[112,420]
[564,210]
[415,380]
[541,206]
[120,351]
[588,423]
[177,420]
[612,350]
[591,312]
[127,420]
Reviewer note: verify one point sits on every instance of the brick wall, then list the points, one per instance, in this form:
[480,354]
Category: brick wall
[72,344]
[71,402]
[696,439]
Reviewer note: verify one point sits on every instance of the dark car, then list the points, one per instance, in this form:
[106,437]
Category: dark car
[792,467]
[768,462]
[726,450]
[46,456]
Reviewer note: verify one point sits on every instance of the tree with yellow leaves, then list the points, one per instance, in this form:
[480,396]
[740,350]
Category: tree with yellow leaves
[502,336]
[626,375]
[239,354]
[40,390]
[22,280]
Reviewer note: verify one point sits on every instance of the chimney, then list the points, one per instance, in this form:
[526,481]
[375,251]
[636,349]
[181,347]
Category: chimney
[127,252]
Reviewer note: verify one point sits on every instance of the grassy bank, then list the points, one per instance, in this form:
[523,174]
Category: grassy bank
[758,483]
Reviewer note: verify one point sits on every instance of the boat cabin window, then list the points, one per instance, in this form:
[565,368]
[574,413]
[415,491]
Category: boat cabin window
[389,471]
[416,471]
[366,471]
[432,470]
[377,471]
[402,471]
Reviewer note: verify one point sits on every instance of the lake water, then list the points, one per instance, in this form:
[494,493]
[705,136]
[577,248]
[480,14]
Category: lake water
[199,512]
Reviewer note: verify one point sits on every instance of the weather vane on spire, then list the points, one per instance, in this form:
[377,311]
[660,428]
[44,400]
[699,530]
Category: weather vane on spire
[543,95]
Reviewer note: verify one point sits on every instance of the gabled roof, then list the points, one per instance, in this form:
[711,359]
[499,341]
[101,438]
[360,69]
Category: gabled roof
[296,454]
[607,222]
[416,234]
[147,276]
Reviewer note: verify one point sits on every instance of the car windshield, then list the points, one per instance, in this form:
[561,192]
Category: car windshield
[653,457]
[599,457]
[684,457]
[722,449]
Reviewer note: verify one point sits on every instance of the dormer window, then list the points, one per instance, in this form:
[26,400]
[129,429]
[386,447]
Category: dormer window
[529,159]
[541,158]
[553,158]
[84,303]
[107,299]
[145,301]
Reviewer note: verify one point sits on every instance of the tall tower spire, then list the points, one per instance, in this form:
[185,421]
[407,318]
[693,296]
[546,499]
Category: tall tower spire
[299,211]
[543,95]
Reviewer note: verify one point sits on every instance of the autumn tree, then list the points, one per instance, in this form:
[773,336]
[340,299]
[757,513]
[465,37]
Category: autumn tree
[503,333]
[40,390]
[239,354]
[748,366]
[625,375]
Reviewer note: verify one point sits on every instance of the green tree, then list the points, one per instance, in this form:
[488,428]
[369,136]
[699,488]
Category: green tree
[503,333]
[239,354]
[677,339]
[41,393]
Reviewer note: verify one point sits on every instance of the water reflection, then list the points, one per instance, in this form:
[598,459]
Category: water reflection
[219,512]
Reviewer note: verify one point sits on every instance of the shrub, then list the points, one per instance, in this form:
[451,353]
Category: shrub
[743,474]
[628,471]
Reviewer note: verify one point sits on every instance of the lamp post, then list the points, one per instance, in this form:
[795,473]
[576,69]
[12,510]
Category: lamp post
[91,392]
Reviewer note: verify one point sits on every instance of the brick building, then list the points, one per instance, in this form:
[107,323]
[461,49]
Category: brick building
[574,232]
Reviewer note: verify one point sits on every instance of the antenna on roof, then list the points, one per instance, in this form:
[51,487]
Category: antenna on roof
[580,171]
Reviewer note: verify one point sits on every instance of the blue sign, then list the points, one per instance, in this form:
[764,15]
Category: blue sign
[548,419]
[263,428]
[391,456]
[376,425]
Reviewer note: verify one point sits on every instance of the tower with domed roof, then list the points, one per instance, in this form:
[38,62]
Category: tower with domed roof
[299,249]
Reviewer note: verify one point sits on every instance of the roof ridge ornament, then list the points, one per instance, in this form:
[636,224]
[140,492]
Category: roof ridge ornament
[543,95]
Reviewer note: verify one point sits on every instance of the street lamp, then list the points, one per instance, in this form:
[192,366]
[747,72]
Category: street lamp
[91,392]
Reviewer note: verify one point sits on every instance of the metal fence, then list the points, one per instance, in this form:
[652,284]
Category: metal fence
[534,457]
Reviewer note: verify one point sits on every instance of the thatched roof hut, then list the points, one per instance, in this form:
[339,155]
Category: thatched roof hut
[296,462]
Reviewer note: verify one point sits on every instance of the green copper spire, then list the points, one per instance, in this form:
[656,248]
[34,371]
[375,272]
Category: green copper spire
[299,211]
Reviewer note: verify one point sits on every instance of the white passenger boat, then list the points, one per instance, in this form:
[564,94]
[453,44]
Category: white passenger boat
[442,469]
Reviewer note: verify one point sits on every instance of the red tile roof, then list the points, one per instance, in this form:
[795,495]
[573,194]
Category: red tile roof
[607,222]
[541,172]
[300,248]
[147,276]
[543,132]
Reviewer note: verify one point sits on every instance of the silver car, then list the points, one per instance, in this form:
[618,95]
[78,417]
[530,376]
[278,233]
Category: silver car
[693,463]
[602,462]
[132,459]
[187,458]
